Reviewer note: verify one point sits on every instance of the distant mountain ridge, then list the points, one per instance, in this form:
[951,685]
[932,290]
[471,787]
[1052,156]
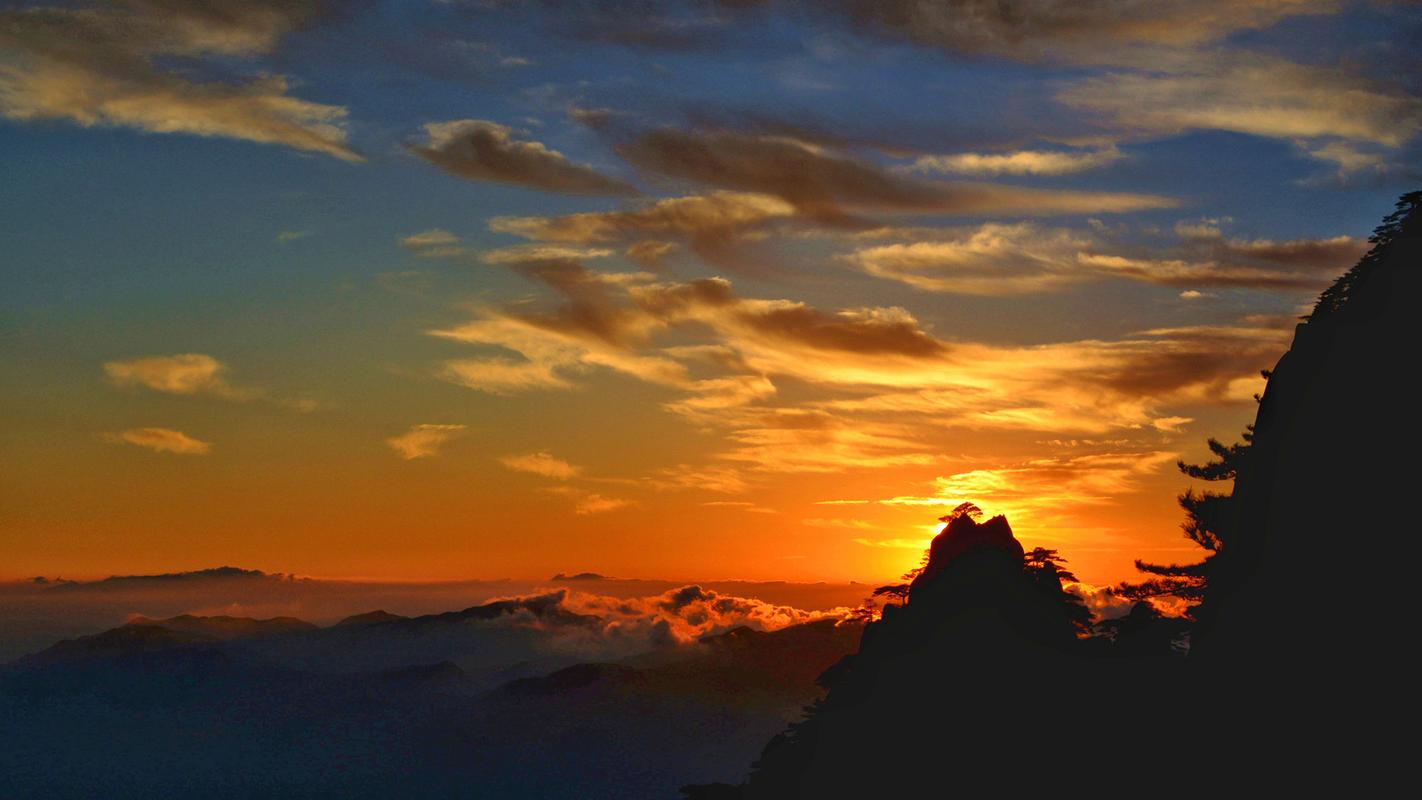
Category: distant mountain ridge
[241,707]
[222,573]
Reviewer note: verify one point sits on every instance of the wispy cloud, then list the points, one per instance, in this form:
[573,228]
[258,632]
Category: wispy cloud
[196,374]
[1260,95]
[112,64]
[481,150]
[1020,162]
[187,373]
[748,507]
[1000,260]
[542,463]
[994,259]
[423,441]
[1103,31]
[832,187]
[593,503]
[1043,485]
[161,440]
[586,503]
[434,237]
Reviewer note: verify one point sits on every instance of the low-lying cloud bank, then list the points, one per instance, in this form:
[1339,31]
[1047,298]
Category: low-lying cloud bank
[686,614]
[629,614]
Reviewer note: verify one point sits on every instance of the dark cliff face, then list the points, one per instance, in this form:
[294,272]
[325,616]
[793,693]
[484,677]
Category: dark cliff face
[1313,580]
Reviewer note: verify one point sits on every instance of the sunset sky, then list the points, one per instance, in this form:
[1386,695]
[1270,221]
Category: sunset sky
[757,290]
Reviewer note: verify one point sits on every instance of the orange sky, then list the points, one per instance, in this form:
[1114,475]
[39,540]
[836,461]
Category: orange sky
[495,291]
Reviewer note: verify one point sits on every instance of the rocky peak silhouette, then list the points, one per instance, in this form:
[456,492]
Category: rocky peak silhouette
[963,534]
[944,670]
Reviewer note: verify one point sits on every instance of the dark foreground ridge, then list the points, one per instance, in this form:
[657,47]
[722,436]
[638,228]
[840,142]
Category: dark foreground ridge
[977,679]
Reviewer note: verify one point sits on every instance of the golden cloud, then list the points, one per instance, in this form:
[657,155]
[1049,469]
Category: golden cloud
[105,65]
[188,373]
[1021,162]
[541,463]
[423,441]
[161,440]
[1253,94]
[998,260]
[993,259]
[878,376]
[1037,492]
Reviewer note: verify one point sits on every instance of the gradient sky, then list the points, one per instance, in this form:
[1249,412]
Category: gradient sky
[695,290]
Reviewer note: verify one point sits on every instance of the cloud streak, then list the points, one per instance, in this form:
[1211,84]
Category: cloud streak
[161,440]
[1024,258]
[187,373]
[1021,162]
[1092,31]
[870,380]
[541,463]
[1260,95]
[109,65]
[481,150]
[830,187]
[423,441]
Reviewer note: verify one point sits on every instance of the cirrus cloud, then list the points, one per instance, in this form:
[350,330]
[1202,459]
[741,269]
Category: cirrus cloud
[481,150]
[108,64]
[161,440]
[1021,162]
[831,187]
[187,373]
[423,441]
[541,463]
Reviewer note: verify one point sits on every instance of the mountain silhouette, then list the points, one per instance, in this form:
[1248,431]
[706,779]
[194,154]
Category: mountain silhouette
[1312,598]
[950,671]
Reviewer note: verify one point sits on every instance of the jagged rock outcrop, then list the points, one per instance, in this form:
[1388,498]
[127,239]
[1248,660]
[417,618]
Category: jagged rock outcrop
[972,668]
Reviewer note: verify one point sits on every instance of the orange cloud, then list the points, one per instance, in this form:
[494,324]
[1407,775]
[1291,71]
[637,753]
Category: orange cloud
[869,381]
